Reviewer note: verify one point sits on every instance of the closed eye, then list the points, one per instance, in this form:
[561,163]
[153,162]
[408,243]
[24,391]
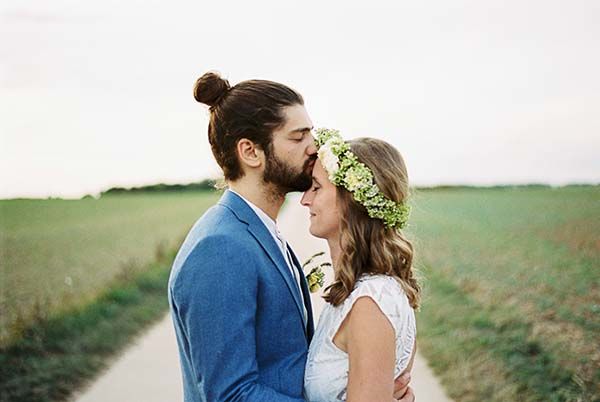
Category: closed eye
[303,132]
[316,185]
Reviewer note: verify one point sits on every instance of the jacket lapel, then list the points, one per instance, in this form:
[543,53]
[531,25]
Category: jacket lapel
[259,231]
[310,329]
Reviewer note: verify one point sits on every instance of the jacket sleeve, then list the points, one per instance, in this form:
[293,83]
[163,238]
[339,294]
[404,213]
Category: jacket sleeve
[215,298]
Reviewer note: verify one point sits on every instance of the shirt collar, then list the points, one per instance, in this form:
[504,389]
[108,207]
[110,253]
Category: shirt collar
[266,219]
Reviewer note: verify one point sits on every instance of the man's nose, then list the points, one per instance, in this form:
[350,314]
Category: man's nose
[312,147]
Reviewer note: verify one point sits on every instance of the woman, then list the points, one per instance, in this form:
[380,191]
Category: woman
[367,331]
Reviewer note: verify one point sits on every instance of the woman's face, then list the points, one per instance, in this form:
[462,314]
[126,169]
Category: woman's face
[321,200]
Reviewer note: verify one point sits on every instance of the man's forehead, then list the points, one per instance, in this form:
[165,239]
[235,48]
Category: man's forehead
[297,119]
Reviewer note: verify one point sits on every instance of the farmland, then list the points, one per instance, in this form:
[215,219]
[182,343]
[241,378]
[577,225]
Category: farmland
[512,291]
[60,253]
[511,277]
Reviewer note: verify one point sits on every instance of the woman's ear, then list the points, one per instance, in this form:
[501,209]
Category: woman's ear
[249,154]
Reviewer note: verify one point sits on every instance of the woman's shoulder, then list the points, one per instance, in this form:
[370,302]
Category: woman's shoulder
[383,289]
[377,282]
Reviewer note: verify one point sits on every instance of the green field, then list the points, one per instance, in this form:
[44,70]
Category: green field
[512,291]
[511,308]
[59,253]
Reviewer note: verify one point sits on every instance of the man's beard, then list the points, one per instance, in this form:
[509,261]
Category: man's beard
[285,178]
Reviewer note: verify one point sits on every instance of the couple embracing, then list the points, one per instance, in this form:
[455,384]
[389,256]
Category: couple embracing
[239,300]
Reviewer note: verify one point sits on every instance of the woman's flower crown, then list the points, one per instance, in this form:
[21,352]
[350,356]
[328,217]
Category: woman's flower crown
[344,169]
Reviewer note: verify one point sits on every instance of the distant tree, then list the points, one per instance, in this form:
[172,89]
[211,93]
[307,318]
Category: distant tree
[204,185]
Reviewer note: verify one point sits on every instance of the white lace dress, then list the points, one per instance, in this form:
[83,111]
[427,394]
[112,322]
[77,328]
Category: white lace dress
[326,375]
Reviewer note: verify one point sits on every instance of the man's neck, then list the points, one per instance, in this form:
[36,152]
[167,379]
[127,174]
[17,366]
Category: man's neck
[263,196]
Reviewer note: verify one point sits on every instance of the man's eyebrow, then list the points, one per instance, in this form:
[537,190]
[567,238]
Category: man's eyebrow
[301,130]
[315,180]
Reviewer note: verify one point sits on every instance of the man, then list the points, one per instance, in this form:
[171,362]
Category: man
[239,300]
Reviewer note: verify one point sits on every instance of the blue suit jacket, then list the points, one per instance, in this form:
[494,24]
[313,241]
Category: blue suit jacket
[237,311]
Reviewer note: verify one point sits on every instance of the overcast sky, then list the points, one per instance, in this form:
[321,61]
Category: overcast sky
[99,93]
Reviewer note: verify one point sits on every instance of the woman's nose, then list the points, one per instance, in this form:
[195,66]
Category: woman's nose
[305,200]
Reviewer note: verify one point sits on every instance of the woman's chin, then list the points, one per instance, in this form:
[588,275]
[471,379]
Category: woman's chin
[315,232]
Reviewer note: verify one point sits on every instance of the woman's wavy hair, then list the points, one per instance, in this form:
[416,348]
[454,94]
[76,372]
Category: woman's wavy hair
[368,247]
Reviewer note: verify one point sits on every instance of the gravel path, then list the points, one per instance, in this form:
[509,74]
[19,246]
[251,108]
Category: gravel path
[149,370]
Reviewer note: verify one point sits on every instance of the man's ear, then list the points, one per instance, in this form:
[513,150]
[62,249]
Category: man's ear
[249,153]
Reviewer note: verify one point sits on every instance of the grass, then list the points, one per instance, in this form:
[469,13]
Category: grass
[56,356]
[512,292]
[511,307]
[59,254]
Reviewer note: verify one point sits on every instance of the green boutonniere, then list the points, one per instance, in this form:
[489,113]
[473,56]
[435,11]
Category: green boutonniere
[316,275]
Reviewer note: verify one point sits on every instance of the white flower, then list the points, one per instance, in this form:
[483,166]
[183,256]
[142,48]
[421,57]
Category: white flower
[329,160]
[353,181]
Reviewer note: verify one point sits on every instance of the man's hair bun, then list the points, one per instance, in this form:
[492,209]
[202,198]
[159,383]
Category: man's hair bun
[210,89]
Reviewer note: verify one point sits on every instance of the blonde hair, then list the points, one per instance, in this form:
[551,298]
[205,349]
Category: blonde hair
[367,246]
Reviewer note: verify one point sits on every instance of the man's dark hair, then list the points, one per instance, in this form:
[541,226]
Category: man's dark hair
[251,109]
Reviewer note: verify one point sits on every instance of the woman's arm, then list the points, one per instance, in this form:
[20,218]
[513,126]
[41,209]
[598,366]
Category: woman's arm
[369,339]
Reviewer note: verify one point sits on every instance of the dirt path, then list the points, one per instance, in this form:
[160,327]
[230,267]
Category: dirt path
[149,370]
